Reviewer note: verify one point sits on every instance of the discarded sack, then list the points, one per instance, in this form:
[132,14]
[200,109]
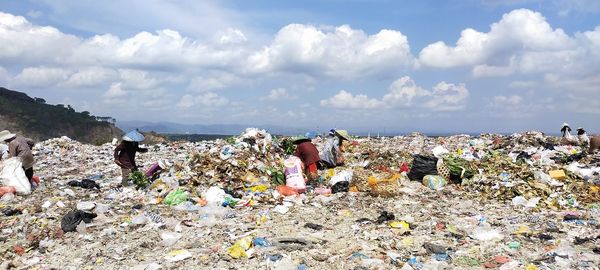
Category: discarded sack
[421,166]
[293,173]
[13,175]
[70,221]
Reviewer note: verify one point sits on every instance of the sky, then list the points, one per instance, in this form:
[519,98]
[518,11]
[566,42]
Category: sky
[455,66]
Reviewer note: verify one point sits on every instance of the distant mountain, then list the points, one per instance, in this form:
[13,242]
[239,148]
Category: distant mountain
[35,119]
[220,129]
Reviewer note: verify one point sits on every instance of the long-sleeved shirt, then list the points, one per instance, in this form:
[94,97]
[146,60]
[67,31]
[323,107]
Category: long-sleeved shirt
[125,154]
[21,147]
[307,152]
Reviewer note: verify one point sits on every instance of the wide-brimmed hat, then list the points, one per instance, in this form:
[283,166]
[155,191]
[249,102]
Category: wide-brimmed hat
[343,133]
[133,136]
[299,139]
[5,135]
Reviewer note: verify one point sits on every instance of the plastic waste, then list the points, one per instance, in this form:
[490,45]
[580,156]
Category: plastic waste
[439,151]
[86,206]
[434,182]
[343,176]
[323,191]
[215,196]
[70,221]
[169,238]
[421,166]
[178,255]
[240,247]
[176,197]
[12,175]
[85,183]
[260,242]
[5,190]
[287,191]
[281,209]
[520,200]
[487,234]
[293,173]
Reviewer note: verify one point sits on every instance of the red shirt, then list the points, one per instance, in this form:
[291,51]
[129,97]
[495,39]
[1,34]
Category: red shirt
[125,153]
[307,152]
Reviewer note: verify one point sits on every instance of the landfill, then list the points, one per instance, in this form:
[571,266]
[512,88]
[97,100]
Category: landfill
[520,201]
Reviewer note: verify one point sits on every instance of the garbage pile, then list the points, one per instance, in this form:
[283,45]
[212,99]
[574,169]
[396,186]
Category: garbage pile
[409,202]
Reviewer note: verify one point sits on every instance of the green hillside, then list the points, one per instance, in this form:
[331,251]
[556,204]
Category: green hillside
[38,120]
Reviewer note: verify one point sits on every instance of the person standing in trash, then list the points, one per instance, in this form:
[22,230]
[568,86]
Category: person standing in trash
[19,146]
[331,155]
[125,157]
[308,153]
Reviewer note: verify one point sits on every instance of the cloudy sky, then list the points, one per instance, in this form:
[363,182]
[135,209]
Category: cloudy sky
[363,65]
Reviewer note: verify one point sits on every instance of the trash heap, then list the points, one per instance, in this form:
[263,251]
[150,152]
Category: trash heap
[251,159]
[407,202]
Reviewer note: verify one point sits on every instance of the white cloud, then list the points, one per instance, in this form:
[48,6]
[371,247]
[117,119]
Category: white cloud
[404,93]
[492,71]
[90,77]
[522,40]
[24,43]
[448,97]
[205,100]
[115,92]
[582,104]
[34,13]
[40,77]
[506,101]
[342,52]
[567,7]
[232,36]
[279,94]
[345,100]
[137,79]
[523,84]
[4,76]
[215,82]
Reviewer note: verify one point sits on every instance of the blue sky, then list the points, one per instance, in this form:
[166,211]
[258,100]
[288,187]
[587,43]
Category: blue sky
[430,66]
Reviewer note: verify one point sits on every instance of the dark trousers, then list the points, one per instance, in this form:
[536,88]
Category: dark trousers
[29,173]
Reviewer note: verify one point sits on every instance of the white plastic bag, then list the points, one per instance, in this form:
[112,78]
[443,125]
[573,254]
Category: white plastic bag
[293,173]
[345,175]
[13,175]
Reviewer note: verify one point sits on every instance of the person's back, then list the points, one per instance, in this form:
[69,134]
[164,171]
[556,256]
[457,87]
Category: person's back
[330,151]
[125,154]
[21,147]
[594,144]
[307,152]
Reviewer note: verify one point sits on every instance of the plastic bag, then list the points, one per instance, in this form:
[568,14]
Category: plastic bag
[342,186]
[293,173]
[70,221]
[434,182]
[421,166]
[215,196]
[176,197]
[13,175]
